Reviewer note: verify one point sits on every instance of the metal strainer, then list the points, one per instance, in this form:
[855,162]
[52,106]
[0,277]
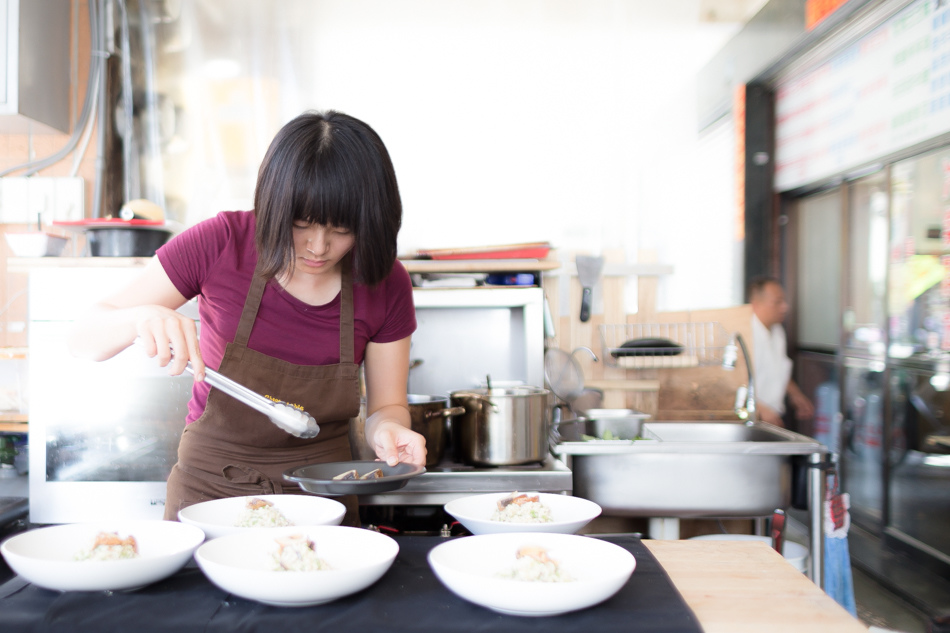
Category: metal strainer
[563,373]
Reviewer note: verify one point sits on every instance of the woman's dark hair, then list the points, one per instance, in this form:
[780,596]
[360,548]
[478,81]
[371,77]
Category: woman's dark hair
[329,169]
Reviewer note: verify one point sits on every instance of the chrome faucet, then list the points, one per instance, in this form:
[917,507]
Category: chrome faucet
[745,394]
[588,350]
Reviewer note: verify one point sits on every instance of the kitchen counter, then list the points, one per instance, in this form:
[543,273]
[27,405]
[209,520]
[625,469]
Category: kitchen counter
[739,586]
[26,264]
[678,586]
[450,480]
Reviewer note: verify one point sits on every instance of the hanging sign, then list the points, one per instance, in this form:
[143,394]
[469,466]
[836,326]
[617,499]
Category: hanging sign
[887,91]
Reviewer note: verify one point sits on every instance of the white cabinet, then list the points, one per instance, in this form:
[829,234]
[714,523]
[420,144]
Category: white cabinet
[103,436]
[464,335]
[34,66]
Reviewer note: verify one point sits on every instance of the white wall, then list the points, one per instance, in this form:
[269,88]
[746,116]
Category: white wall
[571,121]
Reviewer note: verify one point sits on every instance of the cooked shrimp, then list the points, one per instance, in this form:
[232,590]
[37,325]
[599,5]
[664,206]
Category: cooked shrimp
[109,539]
[257,504]
[523,499]
[516,499]
[536,552]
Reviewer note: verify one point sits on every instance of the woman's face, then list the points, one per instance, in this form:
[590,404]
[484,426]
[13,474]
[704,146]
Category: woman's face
[318,249]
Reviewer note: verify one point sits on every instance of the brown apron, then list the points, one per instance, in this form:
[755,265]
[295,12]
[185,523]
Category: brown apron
[233,450]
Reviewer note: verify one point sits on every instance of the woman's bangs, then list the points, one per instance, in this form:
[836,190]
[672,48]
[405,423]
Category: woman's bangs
[326,199]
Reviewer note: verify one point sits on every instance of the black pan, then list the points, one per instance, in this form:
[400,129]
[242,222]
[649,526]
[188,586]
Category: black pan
[648,347]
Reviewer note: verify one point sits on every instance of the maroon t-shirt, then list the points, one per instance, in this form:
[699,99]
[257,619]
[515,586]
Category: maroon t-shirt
[214,260]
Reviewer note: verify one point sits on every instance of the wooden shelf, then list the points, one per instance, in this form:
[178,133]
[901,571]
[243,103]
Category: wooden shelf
[478,265]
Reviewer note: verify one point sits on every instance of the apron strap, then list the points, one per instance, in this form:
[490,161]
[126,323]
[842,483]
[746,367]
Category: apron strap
[253,303]
[346,312]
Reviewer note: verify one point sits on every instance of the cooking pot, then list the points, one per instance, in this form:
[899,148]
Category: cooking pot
[428,418]
[127,241]
[502,427]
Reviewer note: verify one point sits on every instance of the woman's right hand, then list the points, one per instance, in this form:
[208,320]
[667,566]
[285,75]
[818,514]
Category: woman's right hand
[171,338]
[145,311]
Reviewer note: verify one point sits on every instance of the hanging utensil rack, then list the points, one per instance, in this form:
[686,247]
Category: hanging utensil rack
[698,344]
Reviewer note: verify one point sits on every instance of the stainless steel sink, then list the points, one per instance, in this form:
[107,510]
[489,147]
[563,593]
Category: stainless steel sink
[741,437]
[690,469]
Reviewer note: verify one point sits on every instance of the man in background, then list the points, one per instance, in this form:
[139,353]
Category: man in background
[772,367]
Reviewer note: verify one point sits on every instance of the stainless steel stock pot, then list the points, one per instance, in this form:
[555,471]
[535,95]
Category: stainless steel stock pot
[502,427]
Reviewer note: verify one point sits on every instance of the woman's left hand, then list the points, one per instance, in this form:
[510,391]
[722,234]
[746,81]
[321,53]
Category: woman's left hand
[394,443]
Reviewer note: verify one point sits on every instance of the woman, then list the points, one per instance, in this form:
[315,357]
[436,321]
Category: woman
[293,296]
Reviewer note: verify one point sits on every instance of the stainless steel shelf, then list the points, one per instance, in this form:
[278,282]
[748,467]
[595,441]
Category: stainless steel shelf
[450,480]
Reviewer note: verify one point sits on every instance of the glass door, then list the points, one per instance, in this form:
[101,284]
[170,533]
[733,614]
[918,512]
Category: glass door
[861,440]
[864,317]
[864,351]
[818,271]
[916,439]
[919,464]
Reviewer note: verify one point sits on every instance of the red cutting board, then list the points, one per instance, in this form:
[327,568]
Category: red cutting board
[530,250]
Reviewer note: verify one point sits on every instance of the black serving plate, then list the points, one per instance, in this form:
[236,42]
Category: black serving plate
[318,478]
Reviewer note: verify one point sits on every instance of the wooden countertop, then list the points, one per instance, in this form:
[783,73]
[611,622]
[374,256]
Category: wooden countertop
[739,586]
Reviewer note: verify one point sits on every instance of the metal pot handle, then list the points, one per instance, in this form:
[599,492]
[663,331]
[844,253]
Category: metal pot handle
[445,413]
[479,396]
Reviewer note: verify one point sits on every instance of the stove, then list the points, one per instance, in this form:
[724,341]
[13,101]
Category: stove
[450,480]
[417,508]
[13,509]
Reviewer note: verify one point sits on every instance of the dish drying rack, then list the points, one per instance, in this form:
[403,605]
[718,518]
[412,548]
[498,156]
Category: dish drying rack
[698,344]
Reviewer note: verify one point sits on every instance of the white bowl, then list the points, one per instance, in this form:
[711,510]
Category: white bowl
[47,556]
[36,244]
[243,564]
[569,513]
[218,517]
[469,567]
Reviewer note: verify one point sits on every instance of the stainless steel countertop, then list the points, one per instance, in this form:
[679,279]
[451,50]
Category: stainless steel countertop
[449,480]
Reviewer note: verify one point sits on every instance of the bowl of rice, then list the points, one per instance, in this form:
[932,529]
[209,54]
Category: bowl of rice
[297,567]
[113,555]
[522,512]
[233,515]
[532,573]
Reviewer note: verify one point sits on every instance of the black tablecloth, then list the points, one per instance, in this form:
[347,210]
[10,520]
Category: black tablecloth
[408,598]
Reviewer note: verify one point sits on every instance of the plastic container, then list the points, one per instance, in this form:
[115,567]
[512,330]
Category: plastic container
[827,417]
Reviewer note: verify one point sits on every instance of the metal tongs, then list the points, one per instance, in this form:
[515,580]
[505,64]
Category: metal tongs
[294,421]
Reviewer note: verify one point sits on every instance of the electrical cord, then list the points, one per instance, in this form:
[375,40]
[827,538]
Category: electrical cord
[84,142]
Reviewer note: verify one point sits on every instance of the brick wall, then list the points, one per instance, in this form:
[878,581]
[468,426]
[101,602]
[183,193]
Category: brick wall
[16,149]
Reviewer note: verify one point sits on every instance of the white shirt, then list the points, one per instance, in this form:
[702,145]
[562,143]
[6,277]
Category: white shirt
[771,366]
